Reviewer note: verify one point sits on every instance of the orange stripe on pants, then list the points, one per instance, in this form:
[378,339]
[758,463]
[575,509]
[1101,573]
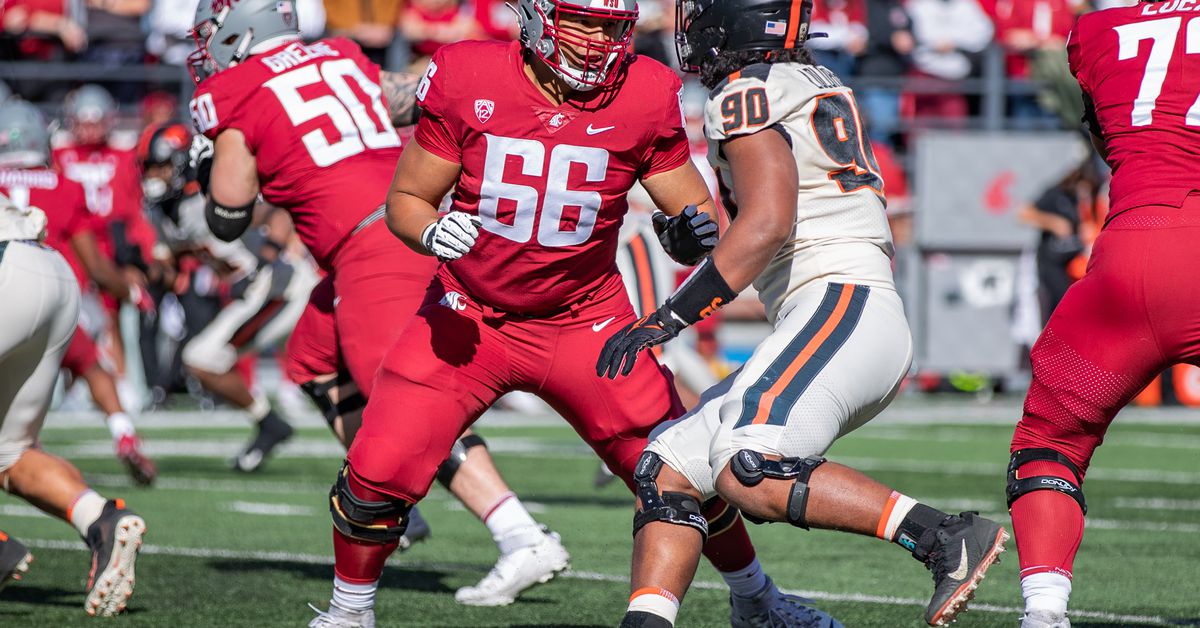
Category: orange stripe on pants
[768,398]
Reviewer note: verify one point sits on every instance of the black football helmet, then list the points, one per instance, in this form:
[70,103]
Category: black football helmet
[705,28]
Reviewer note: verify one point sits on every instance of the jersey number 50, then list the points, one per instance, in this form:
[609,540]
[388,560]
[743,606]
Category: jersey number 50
[357,127]
[525,198]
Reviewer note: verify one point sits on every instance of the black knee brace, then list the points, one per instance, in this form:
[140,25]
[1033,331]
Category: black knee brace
[750,467]
[359,519]
[319,393]
[669,506]
[458,455]
[720,515]
[1018,486]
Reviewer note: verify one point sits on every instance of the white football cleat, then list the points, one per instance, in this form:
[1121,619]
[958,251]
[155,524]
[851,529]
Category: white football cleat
[516,571]
[1045,619]
[337,617]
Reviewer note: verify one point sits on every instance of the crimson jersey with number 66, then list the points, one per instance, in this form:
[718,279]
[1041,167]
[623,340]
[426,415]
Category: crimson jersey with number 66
[314,117]
[1140,67]
[548,182]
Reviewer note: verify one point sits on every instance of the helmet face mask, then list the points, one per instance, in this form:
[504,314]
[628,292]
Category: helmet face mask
[549,29]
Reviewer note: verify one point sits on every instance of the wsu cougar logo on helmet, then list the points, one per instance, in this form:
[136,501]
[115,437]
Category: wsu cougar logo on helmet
[484,109]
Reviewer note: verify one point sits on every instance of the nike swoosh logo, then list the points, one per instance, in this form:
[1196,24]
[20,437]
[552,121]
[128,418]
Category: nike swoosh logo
[961,572]
[596,327]
[593,130]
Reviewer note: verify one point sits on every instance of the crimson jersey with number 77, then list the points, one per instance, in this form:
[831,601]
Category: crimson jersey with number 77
[548,182]
[314,117]
[1140,68]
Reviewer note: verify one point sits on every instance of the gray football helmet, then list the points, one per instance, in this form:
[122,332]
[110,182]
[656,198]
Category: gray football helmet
[543,35]
[24,137]
[89,103]
[226,30]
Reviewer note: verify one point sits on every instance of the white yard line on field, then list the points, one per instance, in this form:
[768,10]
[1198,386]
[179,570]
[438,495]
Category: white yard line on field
[317,559]
[1156,503]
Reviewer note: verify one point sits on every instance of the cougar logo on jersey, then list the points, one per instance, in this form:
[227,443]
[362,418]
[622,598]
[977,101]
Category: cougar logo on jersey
[454,301]
[484,109]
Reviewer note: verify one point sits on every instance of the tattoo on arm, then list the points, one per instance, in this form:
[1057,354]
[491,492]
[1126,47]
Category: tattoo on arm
[399,90]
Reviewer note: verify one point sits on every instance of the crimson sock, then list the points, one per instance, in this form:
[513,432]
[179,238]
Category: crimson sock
[361,562]
[1048,524]
[728,547]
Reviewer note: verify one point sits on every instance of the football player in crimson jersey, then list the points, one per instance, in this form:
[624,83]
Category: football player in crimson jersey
[1134,312]
[310,127]
[27,179]
[541,140]
[110,177]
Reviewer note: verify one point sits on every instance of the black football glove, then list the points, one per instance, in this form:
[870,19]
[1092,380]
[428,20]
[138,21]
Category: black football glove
[688,237]
[625,345]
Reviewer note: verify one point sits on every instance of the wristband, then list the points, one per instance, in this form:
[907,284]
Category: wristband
[704,291]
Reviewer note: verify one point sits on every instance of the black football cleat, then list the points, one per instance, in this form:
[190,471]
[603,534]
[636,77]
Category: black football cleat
[114,539]
[272,432]
[958,552]
[14,559]
[417,530]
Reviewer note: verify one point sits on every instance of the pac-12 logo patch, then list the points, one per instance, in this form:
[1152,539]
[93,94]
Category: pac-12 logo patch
[484,109]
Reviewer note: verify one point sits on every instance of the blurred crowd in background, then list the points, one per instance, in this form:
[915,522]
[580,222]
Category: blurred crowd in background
[914,64]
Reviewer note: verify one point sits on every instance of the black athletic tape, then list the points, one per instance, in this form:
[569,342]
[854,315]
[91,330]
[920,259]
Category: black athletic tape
[319,393]
[704,291]
[351,403]
[722,521]
[458,455]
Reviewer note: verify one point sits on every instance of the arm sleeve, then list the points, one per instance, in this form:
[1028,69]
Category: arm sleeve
[669,149]
[436,131]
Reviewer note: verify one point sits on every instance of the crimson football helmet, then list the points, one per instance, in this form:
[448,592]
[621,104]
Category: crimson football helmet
[542,34]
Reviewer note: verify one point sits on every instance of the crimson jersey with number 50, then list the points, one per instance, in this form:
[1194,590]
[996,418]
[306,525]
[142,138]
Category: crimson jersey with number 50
[1140,68]
[841,232]
[548,182]
[314,117]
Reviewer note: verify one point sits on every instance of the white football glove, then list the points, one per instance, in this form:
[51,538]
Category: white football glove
[200,156]
[451,236]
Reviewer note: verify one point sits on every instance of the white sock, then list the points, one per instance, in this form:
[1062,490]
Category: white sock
[900,506]
[119,424]
[1046,591]
[85,510]
[354,597]
[259,409]
[747,581]
[656,602]
[510,524]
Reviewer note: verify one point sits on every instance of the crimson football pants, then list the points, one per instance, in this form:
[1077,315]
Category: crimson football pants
[379,283]
[456,358]
[1133,314]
